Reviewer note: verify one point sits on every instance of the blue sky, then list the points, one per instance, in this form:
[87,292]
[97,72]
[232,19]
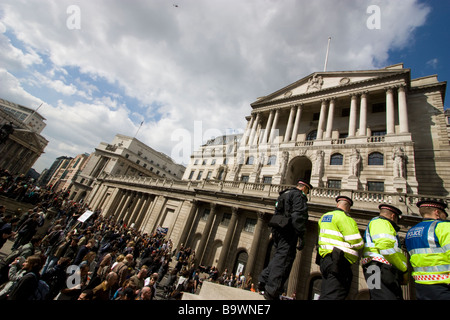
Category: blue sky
[192,71]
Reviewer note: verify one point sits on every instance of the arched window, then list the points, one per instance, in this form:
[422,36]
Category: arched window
[336,159]
[250,160]
[272,160]
[376,159]
[311,136]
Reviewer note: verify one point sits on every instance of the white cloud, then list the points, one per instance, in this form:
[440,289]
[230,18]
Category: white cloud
[206,60]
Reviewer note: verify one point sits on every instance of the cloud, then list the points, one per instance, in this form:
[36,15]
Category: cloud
[173,67]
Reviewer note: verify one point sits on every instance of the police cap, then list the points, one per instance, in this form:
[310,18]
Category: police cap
[393,209]
[434,204]
[344,198]
[306,183]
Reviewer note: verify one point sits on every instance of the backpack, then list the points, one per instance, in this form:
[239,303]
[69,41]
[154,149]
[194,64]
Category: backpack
[281,219]
[41,291]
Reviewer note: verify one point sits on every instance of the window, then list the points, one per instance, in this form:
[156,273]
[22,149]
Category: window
[250,160]
[244,178]
[250,225]
[334,184]
[375,186]
[204,162]
[226,219]
[336,159]
[378,133]
[205,214]
[200,173]
[376,159]
[208,176]
[272,160]
[316,116]
[267,180]
[311,136]
[191,175]
[213,162]
[196,162]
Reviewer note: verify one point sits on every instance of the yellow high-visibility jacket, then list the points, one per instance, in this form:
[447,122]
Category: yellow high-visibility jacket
[428,244]
[381,243]
[337,229]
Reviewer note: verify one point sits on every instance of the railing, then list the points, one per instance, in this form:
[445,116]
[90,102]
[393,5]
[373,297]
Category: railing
[369,200]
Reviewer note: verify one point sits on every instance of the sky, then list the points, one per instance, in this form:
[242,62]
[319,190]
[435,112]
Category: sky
[177,73]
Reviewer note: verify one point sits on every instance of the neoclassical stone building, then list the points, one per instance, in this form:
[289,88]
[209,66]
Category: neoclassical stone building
[376,136]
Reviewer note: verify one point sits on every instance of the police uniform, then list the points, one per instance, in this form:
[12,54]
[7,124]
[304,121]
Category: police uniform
[272,278]
[384,263]
[428,244]
[338,245]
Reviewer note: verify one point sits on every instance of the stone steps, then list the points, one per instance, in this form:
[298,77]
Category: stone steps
[214,291]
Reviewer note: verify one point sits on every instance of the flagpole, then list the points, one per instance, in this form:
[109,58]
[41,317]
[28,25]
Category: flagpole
[138,129]
[326,57]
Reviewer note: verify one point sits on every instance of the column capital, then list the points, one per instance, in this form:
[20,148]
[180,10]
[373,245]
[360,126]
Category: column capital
[234,210]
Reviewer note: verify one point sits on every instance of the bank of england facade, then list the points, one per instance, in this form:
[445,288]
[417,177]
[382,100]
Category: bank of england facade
[377,136]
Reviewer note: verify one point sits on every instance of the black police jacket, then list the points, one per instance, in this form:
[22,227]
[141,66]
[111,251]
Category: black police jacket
[295,205]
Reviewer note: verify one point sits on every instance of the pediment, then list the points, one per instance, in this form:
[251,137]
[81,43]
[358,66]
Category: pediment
[321,81]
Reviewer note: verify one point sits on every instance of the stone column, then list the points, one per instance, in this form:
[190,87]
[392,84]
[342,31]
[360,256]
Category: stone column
[248,130]
[402,110]
[352,118]
[274,126]
[253,131]
[189,222]
[390,124]
[205,236]
[227,241]
[363,115]
[255,249]
[287,135]
[330,119]
[297,122]
[268,127]
[323,110]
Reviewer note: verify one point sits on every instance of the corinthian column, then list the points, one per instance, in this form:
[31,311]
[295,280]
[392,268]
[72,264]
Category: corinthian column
[323,110]
[297,122]
[402,110]
[363,115]
[287,136]
[352,118]
[330,119]
[390,125]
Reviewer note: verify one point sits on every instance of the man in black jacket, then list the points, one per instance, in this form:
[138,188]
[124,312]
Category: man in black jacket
[292,206]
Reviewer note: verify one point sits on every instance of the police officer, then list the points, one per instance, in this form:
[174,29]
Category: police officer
[428,244]
[339,242]
[293,209]
[384,263]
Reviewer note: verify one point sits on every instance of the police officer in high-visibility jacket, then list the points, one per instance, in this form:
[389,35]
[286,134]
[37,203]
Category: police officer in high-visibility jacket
[384,263]
[428,244]
[339,242]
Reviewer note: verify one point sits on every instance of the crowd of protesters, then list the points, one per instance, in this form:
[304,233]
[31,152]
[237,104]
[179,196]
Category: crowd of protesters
[56,257]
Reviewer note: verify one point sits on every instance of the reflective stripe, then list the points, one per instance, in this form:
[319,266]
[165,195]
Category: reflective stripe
[431,277]
[334,241]
[384,235]
[430,250]
[441,268]
[350,237]
[331,232]
[355,236]
[345,249]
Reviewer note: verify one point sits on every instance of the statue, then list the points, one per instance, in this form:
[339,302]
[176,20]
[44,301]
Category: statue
[318,167]
[398,155]
[355,161]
